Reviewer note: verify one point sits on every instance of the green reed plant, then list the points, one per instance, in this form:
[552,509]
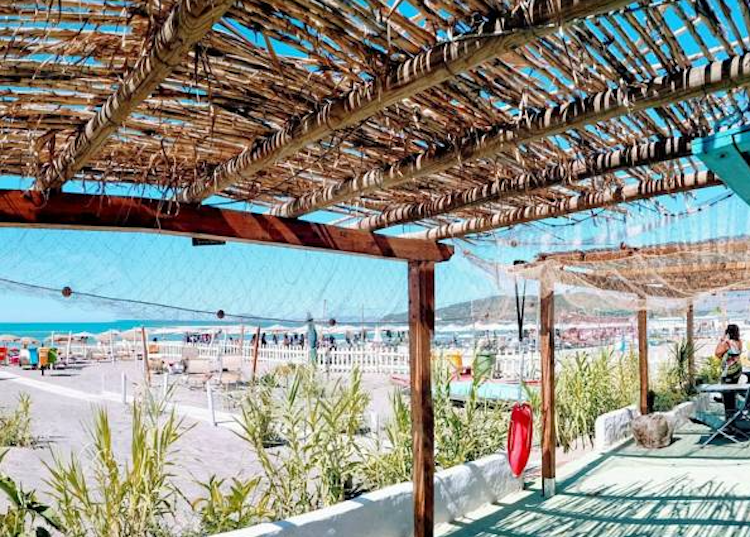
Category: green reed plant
[107,497]
[587,386]
[231,505]
[320,463]
[462,432]
[24,511]
[15,424]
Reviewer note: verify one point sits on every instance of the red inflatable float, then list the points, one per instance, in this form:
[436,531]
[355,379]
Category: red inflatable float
[519,437]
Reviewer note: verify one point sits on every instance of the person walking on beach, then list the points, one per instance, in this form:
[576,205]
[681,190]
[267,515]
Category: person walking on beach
[729,351]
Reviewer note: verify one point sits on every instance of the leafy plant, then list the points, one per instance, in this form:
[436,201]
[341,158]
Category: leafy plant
[115,499]
[586,387]
[320,462]
[672,384]
[23,511]
[227,508]
[462,432]
[15,426]
[710,371]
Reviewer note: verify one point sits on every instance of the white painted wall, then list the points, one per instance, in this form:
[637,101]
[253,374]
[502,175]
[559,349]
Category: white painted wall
[614,427]
[388,512]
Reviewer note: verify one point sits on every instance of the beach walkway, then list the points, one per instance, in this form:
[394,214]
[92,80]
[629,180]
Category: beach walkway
[676,491]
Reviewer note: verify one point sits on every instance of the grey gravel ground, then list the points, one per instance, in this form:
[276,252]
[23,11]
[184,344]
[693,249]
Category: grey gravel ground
[61,420]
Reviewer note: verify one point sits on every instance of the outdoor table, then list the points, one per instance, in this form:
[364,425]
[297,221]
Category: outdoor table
[722,388]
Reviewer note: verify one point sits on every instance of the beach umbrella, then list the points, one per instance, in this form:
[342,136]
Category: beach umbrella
[84,335]
[8,338]
[108,335]
[29,341]
[134,334]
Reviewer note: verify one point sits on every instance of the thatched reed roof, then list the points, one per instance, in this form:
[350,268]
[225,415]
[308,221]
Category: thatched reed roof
[463,116]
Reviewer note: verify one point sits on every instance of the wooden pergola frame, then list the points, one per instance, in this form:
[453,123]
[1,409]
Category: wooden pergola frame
[585,269]
[101,213]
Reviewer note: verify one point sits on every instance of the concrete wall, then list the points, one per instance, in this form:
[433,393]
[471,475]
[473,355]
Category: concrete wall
[388,512]
[614,427]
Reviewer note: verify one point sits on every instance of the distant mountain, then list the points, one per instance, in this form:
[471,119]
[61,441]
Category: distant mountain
[573,305]
[502,308]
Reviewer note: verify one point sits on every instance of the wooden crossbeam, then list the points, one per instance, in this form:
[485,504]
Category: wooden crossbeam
[677,86]
[569,172]
[101,213]
[584,202]
[187,23]
[427,69]
[733,245]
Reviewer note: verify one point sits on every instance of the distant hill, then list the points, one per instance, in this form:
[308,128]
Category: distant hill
[502,308]
[575,305]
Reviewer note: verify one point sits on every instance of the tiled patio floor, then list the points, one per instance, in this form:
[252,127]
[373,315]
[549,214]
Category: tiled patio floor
[676,491]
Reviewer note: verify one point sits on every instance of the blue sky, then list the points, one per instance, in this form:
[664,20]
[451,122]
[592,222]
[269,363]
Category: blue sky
[287,283]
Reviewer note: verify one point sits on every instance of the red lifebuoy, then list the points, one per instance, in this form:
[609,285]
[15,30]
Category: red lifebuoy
[520,432]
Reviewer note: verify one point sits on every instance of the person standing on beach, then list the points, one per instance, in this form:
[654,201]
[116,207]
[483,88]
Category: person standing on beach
[312,340]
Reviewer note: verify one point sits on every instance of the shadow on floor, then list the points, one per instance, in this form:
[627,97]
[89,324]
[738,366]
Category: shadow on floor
[677,491]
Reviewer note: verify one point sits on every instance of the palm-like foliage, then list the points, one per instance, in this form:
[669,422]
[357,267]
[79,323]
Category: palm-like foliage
[21,516]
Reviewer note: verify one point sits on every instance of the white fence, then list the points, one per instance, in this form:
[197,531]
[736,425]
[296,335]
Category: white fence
[371,358]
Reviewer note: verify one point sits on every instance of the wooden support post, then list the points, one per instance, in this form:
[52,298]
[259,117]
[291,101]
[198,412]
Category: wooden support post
[421,326]
[643,357]
[146,368]
[547,347]
[256,344]
[690,338]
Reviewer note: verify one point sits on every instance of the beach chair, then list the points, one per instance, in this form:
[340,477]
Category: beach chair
[199,371]
[726,427]
[231,370]
[4,355]
[34,357]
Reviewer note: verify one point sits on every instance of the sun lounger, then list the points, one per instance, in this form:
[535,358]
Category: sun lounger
[4,355]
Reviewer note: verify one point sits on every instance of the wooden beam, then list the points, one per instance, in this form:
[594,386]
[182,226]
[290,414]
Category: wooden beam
[734,245]
[547,347]
[484,143]
[584,202]
[643,358]
[186,24]
[569,172]
[690,340]
[427,69]
[100,213]
[421,327]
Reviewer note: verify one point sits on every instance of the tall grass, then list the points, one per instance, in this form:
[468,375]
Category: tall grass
[320,462]
[232,506]
[587,386]
[462,432]
[102,497]
[15,424]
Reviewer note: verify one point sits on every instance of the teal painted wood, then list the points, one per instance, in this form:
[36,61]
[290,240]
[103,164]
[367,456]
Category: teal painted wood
[727,154]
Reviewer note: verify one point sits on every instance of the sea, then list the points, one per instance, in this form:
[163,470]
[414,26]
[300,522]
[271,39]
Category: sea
[40,331]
